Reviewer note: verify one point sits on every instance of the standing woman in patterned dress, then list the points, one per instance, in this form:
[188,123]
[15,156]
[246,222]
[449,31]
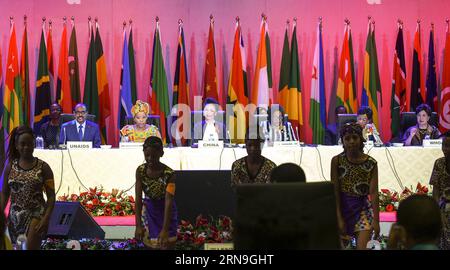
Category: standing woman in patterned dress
[156,213]
[25,179]
[355,178]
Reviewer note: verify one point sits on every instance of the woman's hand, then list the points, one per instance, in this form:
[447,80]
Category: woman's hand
[139,233]
[163,239]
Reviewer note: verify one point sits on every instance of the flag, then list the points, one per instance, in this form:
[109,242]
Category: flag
[63,95]
[372,84]
[210,78]
[398,97]
[2,130]
[346,88]
[317,116]
[444,113]
[295,109]
[180,85]
[283,86]
[74,73]
[417,79]
[25,79]
[90,96]
[43,97]
[133,83]
[237,88]
[158,83]
[262,83]
[125,102]
[12,105]
[104,107]
[431,83]
[51,69]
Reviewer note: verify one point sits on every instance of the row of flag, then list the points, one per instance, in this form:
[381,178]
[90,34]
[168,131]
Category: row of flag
[16,96]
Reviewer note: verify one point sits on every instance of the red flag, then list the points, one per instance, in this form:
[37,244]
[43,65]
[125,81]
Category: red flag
[25,78]
[210,84]
[51,69]
[444,115]
[63,94]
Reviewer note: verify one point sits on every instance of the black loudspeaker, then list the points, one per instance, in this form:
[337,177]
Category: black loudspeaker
[70,220]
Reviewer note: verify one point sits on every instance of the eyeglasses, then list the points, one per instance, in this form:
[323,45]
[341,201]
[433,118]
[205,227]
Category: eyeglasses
[80,112]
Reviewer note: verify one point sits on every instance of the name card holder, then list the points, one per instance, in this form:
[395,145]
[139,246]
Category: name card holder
[432,143]
[79,145]
[218,246]
[286,143]
[210,144]
[369,143]
[130,145]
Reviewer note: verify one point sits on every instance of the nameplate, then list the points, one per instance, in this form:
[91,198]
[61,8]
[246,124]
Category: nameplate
[218,246]
[210,144]
[79,145]
[432,143]
[286,143]
[369,143]
[130,145]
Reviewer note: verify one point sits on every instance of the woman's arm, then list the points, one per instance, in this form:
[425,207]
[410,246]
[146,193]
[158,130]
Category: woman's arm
[170,193]
[434,181]
[5,188]
[409,134]
[49,186]
[139,233]
[373,190]
[335,181]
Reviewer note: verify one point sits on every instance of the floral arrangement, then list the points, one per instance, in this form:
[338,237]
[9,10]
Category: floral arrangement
[92,244]
[204,230]
[389,200]
[100,203]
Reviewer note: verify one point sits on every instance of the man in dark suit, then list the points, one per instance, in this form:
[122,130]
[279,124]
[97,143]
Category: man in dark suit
[80,129]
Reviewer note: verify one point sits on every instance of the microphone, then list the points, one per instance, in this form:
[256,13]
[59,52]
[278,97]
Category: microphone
[229,139]
[298,137]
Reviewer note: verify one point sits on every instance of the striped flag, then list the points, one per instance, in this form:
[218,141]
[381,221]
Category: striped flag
[210,79]
[12,105]
[431,83]
[74,72]
[2,130]
[51,69]
[25,79]
[418,95]
[346,88]
[372,84]
[295,109]
[262,83]
[158,83]
[63,93]
[237,88]
[125,102]
[104,106]
[90,96]
[317,117]
[131,61]
[180,89]
[398,97]
[283,86]
[43,95]
[444,114]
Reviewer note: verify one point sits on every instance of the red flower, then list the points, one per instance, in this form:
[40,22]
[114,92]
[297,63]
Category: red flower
[108,211]
[385,191]
[131,199]
[118,207]
[113,199]
[95,202]
[121,213]
[82,194]
[90,206]
[389,208]
[93,191]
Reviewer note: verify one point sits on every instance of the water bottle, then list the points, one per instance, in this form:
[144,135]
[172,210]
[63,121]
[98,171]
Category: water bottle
[427,137]
[39,142]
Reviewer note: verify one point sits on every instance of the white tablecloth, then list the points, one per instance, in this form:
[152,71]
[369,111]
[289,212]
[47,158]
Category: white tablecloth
[115,168]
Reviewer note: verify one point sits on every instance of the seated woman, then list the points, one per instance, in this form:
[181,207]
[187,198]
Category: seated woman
[140,130]
[209,129]
[370,132]
[277,128]
[422,130]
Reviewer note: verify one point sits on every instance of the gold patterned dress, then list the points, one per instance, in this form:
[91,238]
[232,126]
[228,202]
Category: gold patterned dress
[240,174]
[130,134]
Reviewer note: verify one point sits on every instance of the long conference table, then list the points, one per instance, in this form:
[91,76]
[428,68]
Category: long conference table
[75,170]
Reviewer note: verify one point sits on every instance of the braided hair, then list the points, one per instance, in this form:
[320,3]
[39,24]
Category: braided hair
[14,138]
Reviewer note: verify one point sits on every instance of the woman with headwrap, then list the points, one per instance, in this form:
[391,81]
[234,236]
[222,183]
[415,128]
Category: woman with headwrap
[355,178]
[140,130]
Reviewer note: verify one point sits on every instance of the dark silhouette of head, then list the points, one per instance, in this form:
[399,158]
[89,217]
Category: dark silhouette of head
[286,173]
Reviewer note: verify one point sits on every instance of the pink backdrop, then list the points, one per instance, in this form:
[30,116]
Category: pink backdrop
[195,14]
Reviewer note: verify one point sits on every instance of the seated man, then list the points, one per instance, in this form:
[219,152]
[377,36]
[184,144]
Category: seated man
[331,132]
[418,224]
[80,129]
[209,129]
[50,130]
